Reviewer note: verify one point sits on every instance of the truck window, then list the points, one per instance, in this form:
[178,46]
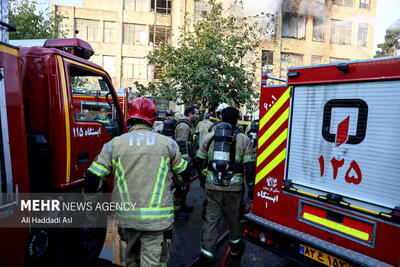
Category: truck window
[6,199]
[90,91]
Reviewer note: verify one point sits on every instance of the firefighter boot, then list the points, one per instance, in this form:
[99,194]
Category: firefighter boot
[237,249]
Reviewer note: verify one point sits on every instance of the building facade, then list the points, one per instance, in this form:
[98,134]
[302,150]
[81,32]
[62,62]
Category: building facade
[313,32]
[304,32]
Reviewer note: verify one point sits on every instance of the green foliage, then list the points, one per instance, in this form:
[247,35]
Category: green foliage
[391,44]
[210,64]
[32,24]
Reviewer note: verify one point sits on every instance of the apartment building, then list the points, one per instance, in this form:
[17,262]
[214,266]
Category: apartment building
[123,32]
[313,32]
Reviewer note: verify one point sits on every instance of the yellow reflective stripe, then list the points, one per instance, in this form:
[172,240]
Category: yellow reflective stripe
[163,183]
[201,155]
[147,213]
[9,50]
[157,182]
[284,116]
[84,65]
[181,167]
[277,142]
[267,169]
[67,124]
[122,185]
[99,170]
[336,226]
[275,108]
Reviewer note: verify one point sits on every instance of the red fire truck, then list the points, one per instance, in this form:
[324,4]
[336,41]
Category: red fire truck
[328,165]
[57,110]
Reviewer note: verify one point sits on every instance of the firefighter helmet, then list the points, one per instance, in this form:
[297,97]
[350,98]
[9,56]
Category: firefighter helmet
[144,109]
[221,107]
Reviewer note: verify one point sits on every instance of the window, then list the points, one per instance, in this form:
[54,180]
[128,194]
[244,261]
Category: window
[340,32]
[95,59]
[137,5]
[155,71]
[109,33]
[87,29]
[343,2]
[318,29]
[109,65]
[199,6]
[134,33]
[159,34]
[267,61]
[7,199]
[316,60]
[133,67]
[362,34]
[89,83]
[336,59]
[161,6]
[364,4]
[293,26]
[290,60]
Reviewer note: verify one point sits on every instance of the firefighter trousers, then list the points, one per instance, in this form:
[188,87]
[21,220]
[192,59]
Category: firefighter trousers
[146,248]
[221,203]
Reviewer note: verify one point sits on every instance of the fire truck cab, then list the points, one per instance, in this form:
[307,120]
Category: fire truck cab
[57,110]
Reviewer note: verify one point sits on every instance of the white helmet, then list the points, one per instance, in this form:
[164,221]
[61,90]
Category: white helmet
[221,107]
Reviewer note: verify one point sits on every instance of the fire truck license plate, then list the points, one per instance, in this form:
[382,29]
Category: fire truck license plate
[322,257]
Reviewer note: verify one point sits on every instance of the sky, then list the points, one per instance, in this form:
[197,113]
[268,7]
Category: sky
[387,13]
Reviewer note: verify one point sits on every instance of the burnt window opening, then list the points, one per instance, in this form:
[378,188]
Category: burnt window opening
[348,3]
[316,60]
[318,29]
[267,61]
[293,26]
[341,32]
[161,6]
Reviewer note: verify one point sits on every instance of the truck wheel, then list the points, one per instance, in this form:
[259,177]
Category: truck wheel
[43,248]
[85,245]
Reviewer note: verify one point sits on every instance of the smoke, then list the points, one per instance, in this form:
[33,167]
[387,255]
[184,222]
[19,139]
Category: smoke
[316,8]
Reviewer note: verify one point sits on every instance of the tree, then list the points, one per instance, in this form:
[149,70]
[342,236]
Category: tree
[32,23]
[210,64]
[391,44]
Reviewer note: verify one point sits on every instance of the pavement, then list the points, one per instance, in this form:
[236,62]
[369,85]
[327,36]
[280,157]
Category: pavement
[186,241]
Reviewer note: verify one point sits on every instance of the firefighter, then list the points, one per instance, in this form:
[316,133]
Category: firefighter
[227,153]
[218,113]
[143,163]
[184,136]
[203,126]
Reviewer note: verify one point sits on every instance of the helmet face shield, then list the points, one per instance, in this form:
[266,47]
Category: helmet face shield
[144,109]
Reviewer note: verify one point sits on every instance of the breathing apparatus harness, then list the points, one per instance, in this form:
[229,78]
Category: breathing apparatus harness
[223,165]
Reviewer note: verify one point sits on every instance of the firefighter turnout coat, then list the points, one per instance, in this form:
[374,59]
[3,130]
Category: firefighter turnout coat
[143,163]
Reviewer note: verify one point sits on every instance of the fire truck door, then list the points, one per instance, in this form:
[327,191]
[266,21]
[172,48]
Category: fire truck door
[95,121]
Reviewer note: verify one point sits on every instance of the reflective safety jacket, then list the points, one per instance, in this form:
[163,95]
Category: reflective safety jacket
[243,155]
[143,163]
[202,127]
[184,137]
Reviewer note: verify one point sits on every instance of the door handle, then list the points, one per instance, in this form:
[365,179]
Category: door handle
[83,157]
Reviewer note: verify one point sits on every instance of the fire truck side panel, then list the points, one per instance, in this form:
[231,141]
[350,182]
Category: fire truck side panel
[271,152]
[13,127]
[345,224]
